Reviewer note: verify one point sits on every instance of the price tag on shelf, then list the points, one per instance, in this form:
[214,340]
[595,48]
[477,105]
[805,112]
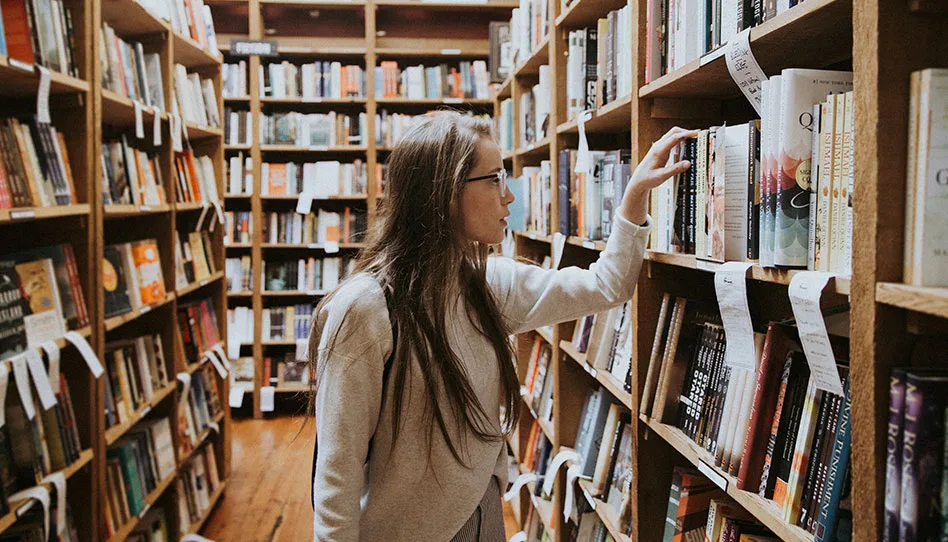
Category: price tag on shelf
[589,498]
[589,244]
[521,481]
[219,349]
[20,215]
[236,397]
[139,121]
[744,69]
[805,291]
[583,161]
[4,382]
[331,247]
[156,127]
[144,412]
[35,493]
[450,51]
[305,203]
[731,289]
[58,480]
[559,243]
[144,310]
[452,100]
[52,357]
[42,96]
[267,394]
[40,379]
[524,391]
[20,65]
[195,538]
[144,208]
[716,477]
[22,379]
[213,426]
[312,99]
[319,147]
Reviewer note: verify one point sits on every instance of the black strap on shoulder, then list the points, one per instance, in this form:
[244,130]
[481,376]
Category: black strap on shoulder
[385,372]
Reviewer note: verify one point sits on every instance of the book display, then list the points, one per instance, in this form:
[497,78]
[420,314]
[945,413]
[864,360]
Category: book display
[110,176]
[785,180]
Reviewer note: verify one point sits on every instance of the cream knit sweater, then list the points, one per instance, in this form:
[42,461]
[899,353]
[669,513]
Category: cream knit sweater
[399,496]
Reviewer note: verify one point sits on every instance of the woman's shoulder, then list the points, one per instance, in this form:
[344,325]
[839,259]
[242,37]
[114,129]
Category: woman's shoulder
[357,308]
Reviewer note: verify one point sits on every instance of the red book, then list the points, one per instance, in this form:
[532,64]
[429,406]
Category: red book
[6,201]
[82,313]
[16,27]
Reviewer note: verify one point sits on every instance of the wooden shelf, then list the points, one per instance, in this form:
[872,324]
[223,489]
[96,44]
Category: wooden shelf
[311,246]
[189,53]
[434,101]
[18,81]
[447,4]
[762,509]
[819,32]
[195,286]
[240,246]
[239,295]
[540,56]
[540,149]
[603,510]
[325,101]
[237,99]
[129,18]
[121,210]
[236,147]
[212,502]
[112,434]
[30,214]
[238,196]
[504,89]
[534,236]
[122,319]
[321,3]
[598,246]
[610,118]
[296,197]
[927,300]
[188,207]
[118,110]
[322,51]
[295,293]
[291,389]
[295,149]
[840,285]
[150,500]
[196,131]
[460,52]
[8,520]
[277,343]
[605,378]
[583,13]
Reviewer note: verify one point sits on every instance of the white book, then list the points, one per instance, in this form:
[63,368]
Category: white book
[330,274]
[736,167]
[838,226]
[210,103]
[824,199]
[768,199]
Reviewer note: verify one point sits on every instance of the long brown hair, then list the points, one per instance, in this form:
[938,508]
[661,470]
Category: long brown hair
[420,258]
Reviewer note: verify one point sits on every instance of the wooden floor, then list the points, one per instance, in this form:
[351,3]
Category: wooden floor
[267,495]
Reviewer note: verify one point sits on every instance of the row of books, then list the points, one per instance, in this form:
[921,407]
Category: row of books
[599,63]
[194,257]
[467,80]
[135,369]
[197,322]
[286,323]
[604,445]
[238,126]
[128,70]
[135,466]
[535,110]
[38,32]
[243,374]
[238,227]
[191,18]
[538,384]
[34,165]
[132,276]
[240,321]
[770,427]
[239,274]
[238,170]
[197,182]
[529,26]
[606,340]
[588,201]
[131,176]
[312,80]
[590,528]
[536,201]
[389,127]
[40,298]
[304,275]
[323,179]
[154,526]
[32,448]
[313,129]
[323,226]
[285,372]
[198,482]
[798,158]
[504,125]
[197,415]
[234,76]
[195,98]
[500,59]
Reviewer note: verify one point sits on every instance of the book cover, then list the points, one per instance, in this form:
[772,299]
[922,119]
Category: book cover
[13,308]
[43,319]
[923,438]
[117,298]
[837,482]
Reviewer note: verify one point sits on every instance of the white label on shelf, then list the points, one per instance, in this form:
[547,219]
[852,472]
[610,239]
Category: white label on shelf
[450,51]
[314,245]
[176,144]
[236,397]
[312,292]
[712,474]
[216,363]
[305,203]
[559,243]
[705,265]
[203,282]
[52,356]
[524,391]
[302,349]
[731,289]
[590,369]
[233,349]
[144,511]
[156,127]
[37,493]
[532,235]
[744,69]
[219,211]
[583,162]
[40,379]
[144,208]
[213,426]
[185,380]
[712,56]
[4,382]
[572,473]
[518,537]
[589,244]
[589,498]
[87,354]
[452,100]
[19,215]
[145,410]
[558,461]
[267,393]
[42,96]
[139,121]
[20,65]
[22,378]
[331,247]
[195,538]
[274,380]
[805,291]
[319,147]
[144,310]
[458,2]
[521,481]
[58,480]
[221,355]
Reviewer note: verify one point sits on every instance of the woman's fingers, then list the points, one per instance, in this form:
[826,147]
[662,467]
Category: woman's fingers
[658,176]
[673,137]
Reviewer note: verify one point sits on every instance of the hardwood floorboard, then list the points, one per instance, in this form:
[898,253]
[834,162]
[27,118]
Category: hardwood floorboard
[267,495]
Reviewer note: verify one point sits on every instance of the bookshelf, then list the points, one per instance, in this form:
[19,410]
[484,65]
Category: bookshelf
[862,35]
[354,33]
[87,114]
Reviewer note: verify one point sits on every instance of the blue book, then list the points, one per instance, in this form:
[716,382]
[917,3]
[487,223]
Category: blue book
[826,529]
[3,37]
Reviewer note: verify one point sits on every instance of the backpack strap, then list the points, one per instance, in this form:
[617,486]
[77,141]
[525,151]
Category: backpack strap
[385,372]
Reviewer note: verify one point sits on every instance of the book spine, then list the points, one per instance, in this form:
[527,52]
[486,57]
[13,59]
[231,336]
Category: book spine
[893,463]
[815,155]
[908,507]
[753,192]
[836,483]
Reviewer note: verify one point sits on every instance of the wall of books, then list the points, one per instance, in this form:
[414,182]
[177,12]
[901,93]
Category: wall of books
[307,134]
[112,325]
[814,193]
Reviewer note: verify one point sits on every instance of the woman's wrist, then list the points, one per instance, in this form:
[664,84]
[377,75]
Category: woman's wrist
[635,203]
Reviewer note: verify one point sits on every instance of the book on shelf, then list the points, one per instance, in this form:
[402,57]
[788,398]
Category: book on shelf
[154,526]
[235,82]
[195,98]
[238,226]
[190,18]
[238,128]
[198,482]
[197,414]
[323,179]
[689,500]
[41,32]
[197,182]
[925,248]
[132,276]
[535,110]
[529,26]
[539,385]
[537,457]
[588,200]
[238,170]
[606,339]
[286,323]
[287,372]
[305,274]
[35,170]
[536,197]
[599,63]
[535,527]
[504,124]
[589,526]
[197,322]
[131,176]
[311,80]
[135,370]
[468,80]
[500,61]
[239,274]
[129,71]
[322,226]
[243,374]
[194,257]
[240,322]
[313,129]
[31,523]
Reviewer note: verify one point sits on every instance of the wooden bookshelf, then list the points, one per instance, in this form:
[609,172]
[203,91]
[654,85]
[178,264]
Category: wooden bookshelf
[150,500]
[112,434]
[28,214]
[601,509]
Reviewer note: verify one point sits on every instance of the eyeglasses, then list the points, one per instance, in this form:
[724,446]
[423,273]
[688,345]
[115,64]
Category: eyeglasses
[500,178]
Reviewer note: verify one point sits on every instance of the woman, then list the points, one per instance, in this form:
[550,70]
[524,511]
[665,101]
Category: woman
[411,353]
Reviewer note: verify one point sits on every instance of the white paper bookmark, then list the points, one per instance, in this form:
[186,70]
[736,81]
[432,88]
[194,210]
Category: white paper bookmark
[41,494]
[185,380]
[267,394]
[216,363]
[219,348]
[331,247]
[805,291]
[42,96]
[219,211]
[305,203]
[87,354]
[58,480]
[156,127]
[233,349]
[139,121]
[559,243]
[574,472]
[731,289]
[176,145]
[4,382]
[22,378]
[236,397]
[518,537]
[302,349]
[558,460]
[52,356]
[744,69]
[521,481]
[583,163]
[40,379]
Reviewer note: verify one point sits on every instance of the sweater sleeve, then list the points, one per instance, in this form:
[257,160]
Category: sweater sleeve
[355,340]
[530,297]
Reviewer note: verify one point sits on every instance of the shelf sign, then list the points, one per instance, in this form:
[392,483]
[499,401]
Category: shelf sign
[716,477]
[253,48]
